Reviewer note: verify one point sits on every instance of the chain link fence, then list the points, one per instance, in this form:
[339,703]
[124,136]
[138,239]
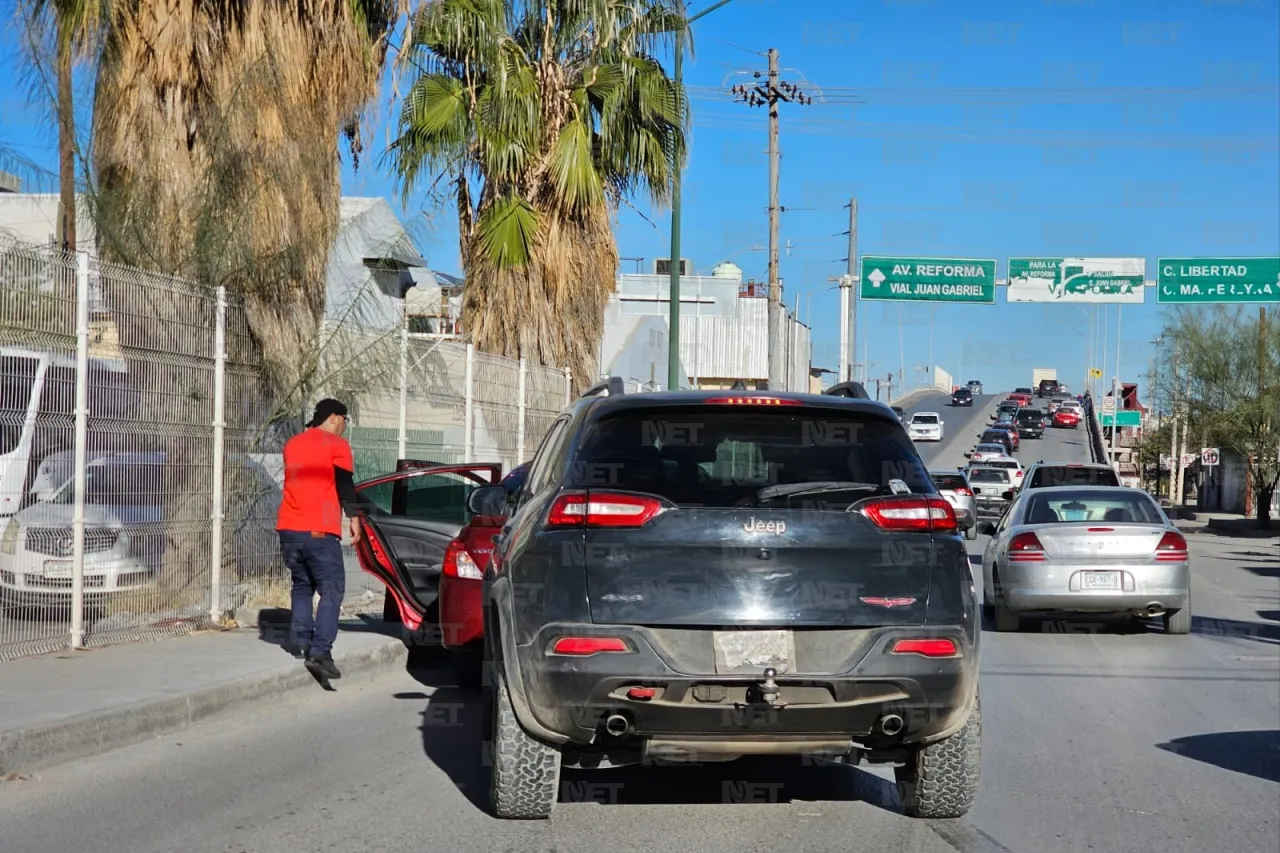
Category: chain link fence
[154,384]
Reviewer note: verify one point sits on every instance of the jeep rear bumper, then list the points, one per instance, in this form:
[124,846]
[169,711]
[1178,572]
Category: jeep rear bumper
[669,692]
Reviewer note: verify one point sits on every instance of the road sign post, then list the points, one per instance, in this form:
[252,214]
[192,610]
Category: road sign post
[950,280]
[1218,280]
[1107,280]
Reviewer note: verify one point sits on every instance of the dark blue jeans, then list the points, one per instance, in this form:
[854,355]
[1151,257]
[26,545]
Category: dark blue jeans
[315,562]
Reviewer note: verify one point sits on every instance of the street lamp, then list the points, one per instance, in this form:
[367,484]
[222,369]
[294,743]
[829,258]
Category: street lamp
[673,338]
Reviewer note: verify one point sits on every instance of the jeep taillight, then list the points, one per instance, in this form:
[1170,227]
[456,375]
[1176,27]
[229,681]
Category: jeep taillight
[458,562]
[922,514]
[603,509]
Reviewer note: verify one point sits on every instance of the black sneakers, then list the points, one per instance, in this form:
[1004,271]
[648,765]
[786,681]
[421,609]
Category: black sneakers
[323,666]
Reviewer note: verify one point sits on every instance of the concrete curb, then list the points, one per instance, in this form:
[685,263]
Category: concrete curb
[93,734]
[1233,528]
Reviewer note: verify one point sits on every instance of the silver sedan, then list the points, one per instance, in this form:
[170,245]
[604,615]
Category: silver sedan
[1086,549]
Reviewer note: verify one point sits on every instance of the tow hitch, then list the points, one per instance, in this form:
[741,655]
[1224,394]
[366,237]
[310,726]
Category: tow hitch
[768,690]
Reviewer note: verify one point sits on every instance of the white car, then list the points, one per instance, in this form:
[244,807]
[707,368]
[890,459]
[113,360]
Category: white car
[1013,466]
[1073,405]
[925,426]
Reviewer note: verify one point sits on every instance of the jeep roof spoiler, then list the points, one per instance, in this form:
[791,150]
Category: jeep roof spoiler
[611,387]
[848,389]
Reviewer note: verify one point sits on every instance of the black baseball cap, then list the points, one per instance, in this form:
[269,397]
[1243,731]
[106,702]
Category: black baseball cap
[326,409]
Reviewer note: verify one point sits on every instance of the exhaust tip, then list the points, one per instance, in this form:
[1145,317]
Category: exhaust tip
[891,724]
[617,725]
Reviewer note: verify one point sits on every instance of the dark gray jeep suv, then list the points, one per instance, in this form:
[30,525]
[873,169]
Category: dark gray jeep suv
[699,576]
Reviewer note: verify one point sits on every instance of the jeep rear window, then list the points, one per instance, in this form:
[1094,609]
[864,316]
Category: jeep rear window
[718,456]
[1064,475]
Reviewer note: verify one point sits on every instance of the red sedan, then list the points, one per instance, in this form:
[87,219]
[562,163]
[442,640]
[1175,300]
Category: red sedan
[1066,419]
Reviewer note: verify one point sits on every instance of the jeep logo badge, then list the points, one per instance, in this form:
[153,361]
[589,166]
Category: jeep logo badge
[754,525]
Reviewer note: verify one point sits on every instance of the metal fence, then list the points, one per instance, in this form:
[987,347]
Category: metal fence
[139,456]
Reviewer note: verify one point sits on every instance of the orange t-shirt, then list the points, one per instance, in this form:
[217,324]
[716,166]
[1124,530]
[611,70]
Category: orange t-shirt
[310,501]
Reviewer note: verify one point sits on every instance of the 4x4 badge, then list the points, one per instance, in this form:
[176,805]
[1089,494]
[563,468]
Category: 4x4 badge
[755,525]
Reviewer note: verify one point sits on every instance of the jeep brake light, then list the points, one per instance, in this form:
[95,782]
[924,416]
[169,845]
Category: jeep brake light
[916,514]
[926,647]
[458,562]
[752,401]
[1026,548]
[586,646]
[603,509]
[1172,548]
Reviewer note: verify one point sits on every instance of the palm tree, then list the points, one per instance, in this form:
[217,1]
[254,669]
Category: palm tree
[543,117]
[76,25]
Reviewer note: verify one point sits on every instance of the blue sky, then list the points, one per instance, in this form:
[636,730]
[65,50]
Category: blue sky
[960,147]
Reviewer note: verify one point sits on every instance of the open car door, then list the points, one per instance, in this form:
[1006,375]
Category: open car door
[409,519]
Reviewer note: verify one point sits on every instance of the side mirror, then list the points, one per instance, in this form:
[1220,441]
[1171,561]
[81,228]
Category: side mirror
[987,528]
[942,423]
[1007,495]
[967,454]
[488,500]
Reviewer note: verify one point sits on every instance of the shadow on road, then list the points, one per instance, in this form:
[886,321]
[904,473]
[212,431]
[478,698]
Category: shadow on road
[453,740]
[1259,632]
[1254,753]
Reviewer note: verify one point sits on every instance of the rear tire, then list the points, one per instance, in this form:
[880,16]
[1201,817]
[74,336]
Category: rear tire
[940,781]
[524,773]
[1006,618]
[971,533]
[1178,621]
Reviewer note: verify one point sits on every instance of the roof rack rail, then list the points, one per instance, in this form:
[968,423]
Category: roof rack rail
[848,389]
[611,387]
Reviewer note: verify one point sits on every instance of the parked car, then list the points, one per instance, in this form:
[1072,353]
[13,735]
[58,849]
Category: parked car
[411,518]
[1030,423]
[976,387]
[634,622]
[962,397]
[126,515]
[1082,549]
[954,486]
[1043,475]
[925,426]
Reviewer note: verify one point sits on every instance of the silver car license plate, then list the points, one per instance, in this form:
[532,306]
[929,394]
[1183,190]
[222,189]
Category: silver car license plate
[754,651]
[1100,580]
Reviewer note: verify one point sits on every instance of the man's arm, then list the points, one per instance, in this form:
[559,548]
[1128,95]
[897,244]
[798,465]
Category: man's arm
[347,496]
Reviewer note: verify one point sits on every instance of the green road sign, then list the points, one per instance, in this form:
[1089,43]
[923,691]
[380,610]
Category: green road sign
[928,280]
[1077,280]
[1207,280]
[1126,418]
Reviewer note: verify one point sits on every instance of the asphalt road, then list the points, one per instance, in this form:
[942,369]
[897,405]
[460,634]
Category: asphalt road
[1097,737]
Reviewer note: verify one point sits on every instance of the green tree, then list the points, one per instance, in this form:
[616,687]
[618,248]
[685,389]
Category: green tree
[1228,384]
[543,117]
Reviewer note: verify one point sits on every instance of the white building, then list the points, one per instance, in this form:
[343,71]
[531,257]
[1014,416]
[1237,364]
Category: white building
[723,332]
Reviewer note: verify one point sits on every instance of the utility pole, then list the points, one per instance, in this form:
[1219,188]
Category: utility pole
[771,93]
[1175,473]
[848,301]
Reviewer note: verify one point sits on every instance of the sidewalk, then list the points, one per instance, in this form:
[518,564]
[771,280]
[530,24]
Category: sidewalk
[69,705]
[1226,524]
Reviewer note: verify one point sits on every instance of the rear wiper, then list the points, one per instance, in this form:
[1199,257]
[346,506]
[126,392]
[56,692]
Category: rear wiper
[813,488]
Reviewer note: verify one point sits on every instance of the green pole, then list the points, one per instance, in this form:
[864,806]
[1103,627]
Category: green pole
[673,315]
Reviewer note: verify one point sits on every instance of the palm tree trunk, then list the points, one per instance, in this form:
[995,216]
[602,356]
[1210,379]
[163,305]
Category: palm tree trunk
[66,148]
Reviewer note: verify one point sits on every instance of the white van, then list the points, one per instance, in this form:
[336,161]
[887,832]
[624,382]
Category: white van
[37,414]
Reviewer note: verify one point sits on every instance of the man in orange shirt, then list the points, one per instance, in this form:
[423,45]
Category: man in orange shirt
[318,487]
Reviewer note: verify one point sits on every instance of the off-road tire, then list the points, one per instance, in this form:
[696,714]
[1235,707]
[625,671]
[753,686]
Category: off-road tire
[468,666]
[1178,621]
[524,773]
[940,780]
